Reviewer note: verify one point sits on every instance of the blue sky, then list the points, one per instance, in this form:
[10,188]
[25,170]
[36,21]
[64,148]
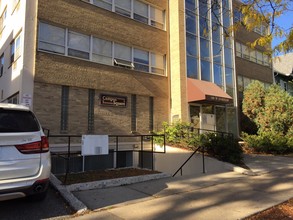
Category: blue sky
[285,21]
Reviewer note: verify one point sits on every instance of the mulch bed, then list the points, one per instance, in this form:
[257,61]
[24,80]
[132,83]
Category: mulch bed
[283,211]
[90,176]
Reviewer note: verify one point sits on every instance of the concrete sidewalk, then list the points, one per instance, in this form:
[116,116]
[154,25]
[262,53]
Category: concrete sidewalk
[219,195]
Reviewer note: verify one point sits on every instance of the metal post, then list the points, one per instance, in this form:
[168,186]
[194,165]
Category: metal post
[141,150]
[203,162]
[68,160]
[152,152]
[116,152]
[164,143]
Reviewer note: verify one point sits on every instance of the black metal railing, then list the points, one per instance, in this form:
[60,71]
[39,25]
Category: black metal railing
[197,131]
[181,167]
[68,153]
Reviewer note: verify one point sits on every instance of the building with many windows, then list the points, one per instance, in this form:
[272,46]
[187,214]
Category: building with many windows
[250,64]
[201,56]
[122,66]
[87,66]
[283,72]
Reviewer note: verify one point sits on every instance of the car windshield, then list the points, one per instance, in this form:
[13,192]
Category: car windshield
[17,121]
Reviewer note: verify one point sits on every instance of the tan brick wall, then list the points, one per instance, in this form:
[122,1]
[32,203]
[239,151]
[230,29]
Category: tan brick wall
[89,19]
[112,120]
[63,70]
[108,120]
[47,105]
[142,113]
[77,110]
[178,61]
[52,71]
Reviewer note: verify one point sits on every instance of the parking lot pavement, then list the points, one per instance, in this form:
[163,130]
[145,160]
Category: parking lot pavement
[53,206]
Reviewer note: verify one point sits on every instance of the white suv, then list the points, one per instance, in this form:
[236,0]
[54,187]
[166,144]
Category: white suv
[25,163]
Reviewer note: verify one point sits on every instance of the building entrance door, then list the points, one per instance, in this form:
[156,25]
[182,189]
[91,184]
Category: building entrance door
[203,117]
[194,111]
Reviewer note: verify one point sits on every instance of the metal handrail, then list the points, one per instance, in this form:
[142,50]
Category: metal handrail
[116,149]
[180,168]
[203,158]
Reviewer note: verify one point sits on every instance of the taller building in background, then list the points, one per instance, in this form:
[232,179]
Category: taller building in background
[202,64]
[250,64]
[283,72]
[122,66]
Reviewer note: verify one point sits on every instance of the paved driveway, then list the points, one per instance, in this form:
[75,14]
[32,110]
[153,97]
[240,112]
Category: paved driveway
[220,195]
[53,206]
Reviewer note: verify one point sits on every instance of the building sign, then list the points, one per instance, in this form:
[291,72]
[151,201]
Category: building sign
[27,100]
[111,100]
[218,99]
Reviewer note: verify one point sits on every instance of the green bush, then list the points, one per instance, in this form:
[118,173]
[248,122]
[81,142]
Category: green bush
[269,142]
[289,138]
[223,147]
[257,143]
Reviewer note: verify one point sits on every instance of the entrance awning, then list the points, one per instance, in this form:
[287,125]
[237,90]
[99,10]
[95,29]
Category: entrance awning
[199,91]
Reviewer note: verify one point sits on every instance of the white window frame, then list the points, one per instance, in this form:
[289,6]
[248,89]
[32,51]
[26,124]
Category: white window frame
[259,57]
[15,48]
[103,2]
[3,19]
[155,66]
[140,15]
[52,42]
[245,52]
[15,3]
[141,63]
[116,61]
[238,49]
[102,55]
[152,22]
[78,49]
[266,61]
[124,9]
[252,55]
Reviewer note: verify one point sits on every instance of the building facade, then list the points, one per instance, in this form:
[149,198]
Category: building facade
[201,56]
[97,67]
[283,72]
[250,64]
[120,67]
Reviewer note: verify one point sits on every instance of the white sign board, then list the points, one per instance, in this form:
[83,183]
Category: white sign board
[27,100]
[94,145]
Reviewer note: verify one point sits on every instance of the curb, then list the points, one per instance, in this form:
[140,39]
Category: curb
[238,169]
[75,204]
[115,182]
[78,206]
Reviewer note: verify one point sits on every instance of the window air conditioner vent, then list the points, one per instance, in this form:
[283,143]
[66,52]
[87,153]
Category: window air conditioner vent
[123,63]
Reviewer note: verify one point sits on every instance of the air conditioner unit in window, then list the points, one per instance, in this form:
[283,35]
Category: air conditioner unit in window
[123,63]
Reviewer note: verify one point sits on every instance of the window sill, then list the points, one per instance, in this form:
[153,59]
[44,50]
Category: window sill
[130,70]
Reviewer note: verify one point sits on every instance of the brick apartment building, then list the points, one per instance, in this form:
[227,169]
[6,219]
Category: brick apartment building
[116,67]
[251,64]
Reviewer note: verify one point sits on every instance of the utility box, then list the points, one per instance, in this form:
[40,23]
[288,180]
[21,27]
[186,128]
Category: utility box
[94,145]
